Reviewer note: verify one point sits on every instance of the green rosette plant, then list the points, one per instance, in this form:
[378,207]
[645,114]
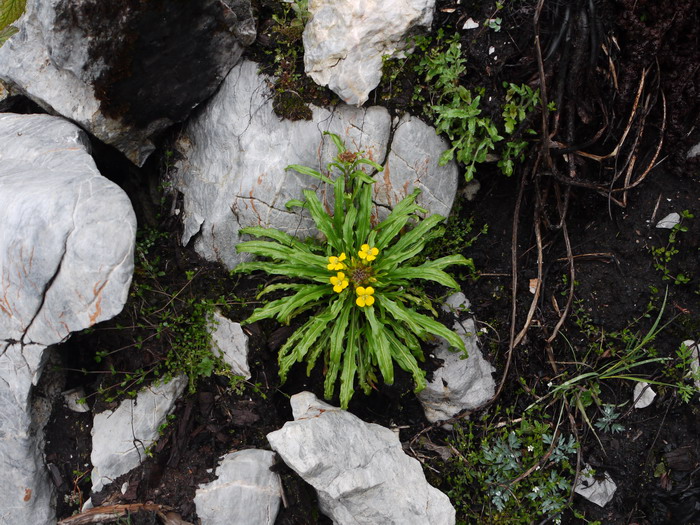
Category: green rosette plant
[357,283]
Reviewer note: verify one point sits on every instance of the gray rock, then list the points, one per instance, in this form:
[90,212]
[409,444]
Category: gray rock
[359,470]
[229,339]
[668,222]
[125,70]
[66,259]
[121,437]
[236,150]
[694,151]
[598,491]
[345,41]
[695,359]
[246,492]
[643,395]
[459,384]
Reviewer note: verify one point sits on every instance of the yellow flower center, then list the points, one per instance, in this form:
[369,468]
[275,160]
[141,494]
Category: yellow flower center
[339,282]
[364,296]
[368,253]
[336,263]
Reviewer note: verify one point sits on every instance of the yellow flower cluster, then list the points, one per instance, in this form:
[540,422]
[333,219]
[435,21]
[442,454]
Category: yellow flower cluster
[367,254]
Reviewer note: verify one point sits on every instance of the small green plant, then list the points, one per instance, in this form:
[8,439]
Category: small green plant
[606,421]
[10,11]
[356,284]
[686,371]
[512,474]
[663,255]
[458,113]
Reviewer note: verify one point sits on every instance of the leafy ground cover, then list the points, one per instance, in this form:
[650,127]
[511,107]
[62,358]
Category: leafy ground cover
[571,278]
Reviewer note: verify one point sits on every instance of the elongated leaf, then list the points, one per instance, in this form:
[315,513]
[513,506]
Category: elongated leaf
[283,253]
[316,350]
[349,230]
[322,220]
[339,207]
[363,177]
[421,272]
[444,262]
[347,376]
[406,361]
[397,219]
[302,301]
[379,345]
[408,242]
[422,324]
[280,286]
[337,341]
[371,163]
[6,33]
[311,273]
[312,330]
[339,144]
[304,170]
[363,215]
[277,235]
[10,10]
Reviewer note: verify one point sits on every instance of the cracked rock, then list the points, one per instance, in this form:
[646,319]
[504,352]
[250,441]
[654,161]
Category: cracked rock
[236,150]
[359,470]
[125,71]
[66,259]
[459,384]
[120,437]
[246,492]
[346,40]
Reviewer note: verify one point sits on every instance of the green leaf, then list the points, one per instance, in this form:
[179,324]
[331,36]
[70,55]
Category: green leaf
[302,301]
[364,215]
[277,235]
[322,220]
[379,346]
[10,10]
[347,376]
[309,171]
[318,274]
[349,230]
[421,324]
[423,272]
[410,243]
[406,361]
[397,219]
[336,140]
[338,336]
[6,33]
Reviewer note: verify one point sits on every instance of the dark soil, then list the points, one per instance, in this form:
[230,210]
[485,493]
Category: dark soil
[610,241]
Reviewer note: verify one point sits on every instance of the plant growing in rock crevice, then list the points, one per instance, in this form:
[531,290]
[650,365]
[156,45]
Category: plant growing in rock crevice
[357,282]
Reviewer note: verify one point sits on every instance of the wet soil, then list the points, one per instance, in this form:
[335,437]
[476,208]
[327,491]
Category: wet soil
[611,246]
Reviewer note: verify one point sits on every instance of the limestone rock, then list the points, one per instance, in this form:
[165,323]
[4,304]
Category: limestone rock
[359,470]
[246,492]
[459,384]
[120,437]
[125,70]
[236,151]
[643,395]
[232,343]
[345,41]
[66,259]
[598,491]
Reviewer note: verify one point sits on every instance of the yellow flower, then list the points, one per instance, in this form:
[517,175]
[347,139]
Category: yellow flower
[364,296]
[368,253]
[336,263]
[339,282]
